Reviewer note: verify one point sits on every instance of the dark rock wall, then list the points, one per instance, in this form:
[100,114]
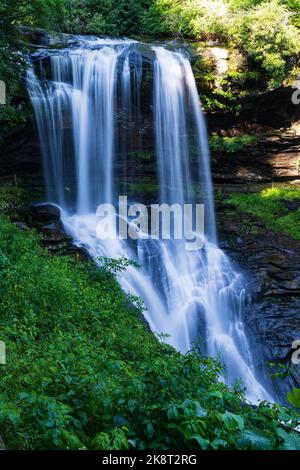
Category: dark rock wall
[271,265]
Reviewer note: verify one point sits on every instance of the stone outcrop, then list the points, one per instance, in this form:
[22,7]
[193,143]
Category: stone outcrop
[41,213]
[46,219]
[275,158]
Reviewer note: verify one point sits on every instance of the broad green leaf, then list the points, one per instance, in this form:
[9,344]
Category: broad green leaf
[217,443]
[200,411]
[232,421]
[291,440]
[255,441]
[203,443]
[150,430]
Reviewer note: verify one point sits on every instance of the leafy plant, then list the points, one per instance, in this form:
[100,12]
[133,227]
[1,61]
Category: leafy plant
[230,144]
[294,397]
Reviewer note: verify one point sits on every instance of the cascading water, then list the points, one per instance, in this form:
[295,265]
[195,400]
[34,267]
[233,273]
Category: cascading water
[187,294]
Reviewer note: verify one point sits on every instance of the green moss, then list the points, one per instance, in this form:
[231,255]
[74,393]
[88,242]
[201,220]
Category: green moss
[269,206]
[139,189]
[16,111]
[230,144]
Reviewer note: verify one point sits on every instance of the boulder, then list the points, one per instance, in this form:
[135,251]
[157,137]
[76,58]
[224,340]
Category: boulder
[45,213]
[55,233]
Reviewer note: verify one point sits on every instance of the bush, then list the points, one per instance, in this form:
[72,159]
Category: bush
[191,18]
[264,30]
[105,17]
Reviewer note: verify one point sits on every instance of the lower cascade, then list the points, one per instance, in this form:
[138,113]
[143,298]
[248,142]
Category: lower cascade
[90,102]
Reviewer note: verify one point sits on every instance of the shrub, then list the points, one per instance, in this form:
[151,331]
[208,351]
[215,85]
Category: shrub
[230,144]
[272,206]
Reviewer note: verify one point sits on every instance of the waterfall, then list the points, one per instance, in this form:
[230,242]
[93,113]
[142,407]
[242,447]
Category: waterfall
[187,294]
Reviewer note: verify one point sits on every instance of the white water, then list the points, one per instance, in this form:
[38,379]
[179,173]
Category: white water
[186,294]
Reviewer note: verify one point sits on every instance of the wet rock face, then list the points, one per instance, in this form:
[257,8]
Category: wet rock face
[46,219]
[273,159]
[271,264]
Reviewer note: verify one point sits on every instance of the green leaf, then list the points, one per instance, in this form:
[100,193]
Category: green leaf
[232,421]
[172,412]
[294,397]
[200,412]
[150,430]
[132,405]
[291,440]
[217,443]
[255,441]
[203,443]
[71,441]
[216,394]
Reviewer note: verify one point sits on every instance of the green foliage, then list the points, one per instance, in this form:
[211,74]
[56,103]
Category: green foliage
[38,13]
[105,17]
[12,67]
[294,7]
[265,30]
[267,35]
[230,144]
[169,17]
[254,440]
[14,201]
[272,206]
[294,397]
[83,371]
[290,441]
